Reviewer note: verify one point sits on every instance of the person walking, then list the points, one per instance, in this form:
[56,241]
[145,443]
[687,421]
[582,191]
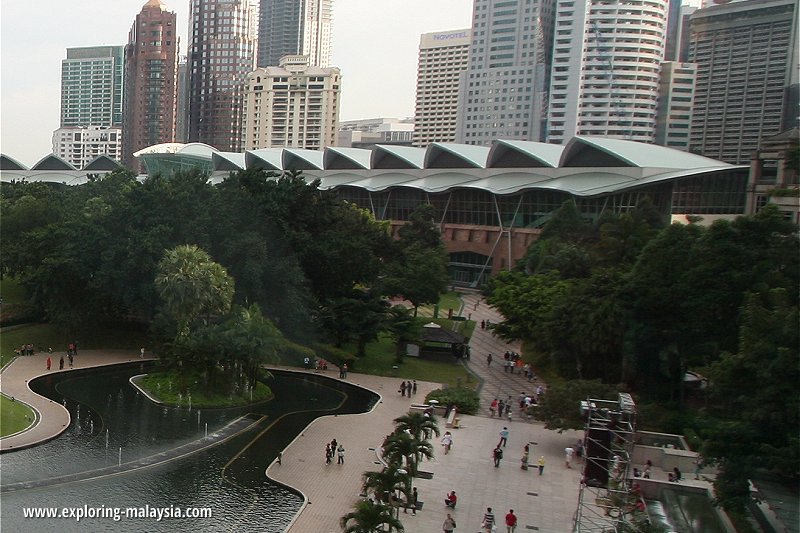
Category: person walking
[340,452]
[447,442]
[503,437]
[412,501]
[497,454]
[71,360]
[525,454]
[541,465]
[403,389]
[568,453]
[488,520]
[141,353]
[328,454]
[488,360]
[61,363]
[493,407]
[414,387]
[49,362]
[511,521]
[449,524]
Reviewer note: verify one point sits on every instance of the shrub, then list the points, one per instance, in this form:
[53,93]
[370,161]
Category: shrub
[466,400]
[334,355]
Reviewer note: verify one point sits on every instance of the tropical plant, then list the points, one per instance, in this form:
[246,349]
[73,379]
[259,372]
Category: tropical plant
[402,446]
[370,517]
[387,482]
[417,425]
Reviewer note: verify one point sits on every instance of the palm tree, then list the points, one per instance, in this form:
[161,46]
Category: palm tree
[417,425]
[387,482]
[402,446]
[369,517]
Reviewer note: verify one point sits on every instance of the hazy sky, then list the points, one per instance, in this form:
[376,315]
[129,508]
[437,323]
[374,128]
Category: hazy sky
[375,44]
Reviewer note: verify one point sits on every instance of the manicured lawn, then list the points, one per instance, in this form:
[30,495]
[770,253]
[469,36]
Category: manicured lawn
[48,336]
[380,359]
[448,300]
[163,386]
[14,416]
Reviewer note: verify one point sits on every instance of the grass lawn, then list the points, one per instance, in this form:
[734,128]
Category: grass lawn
[163,386]
[380,360]
[14,416]
[447,300]
[46,335]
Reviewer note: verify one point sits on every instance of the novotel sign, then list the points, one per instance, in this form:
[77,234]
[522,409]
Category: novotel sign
[448,36]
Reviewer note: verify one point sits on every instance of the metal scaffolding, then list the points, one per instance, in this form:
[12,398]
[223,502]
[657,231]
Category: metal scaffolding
[604,500]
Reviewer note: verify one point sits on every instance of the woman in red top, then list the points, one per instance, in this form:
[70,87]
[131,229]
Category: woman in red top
[511,521]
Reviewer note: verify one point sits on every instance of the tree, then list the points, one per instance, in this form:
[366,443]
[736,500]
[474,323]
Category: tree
[357,316]
[559,408]
[190,284]
[387,482]
[369,517]
[418,270]
[401,447]
[417,425]
[403,328]
[754,402]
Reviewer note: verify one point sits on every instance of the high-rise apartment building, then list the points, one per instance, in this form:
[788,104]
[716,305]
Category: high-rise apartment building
[675,97]
[503,90]
[221,53]
[151,61]
[92,86]
[443,57]
[181,102]
[80,145]
[295,27]
[292,105]
[606,63]
[747,76]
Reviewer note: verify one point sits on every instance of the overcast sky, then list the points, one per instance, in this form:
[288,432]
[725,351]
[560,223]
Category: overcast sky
[375,44]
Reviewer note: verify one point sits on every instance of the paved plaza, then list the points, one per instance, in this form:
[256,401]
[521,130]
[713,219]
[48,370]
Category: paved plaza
[544,503]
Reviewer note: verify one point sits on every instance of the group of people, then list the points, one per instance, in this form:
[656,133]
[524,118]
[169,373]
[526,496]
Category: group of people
[334,449]
[408,388]
[70,358]
[25,349]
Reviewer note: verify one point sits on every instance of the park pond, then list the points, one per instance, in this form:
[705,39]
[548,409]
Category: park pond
[113,423]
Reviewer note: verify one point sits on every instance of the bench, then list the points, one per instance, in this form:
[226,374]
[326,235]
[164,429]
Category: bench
[451,418]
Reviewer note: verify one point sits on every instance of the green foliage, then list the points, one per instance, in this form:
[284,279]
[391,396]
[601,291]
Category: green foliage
[402,446]
[754,399]
[559,407]
[465,400]
[418,270]
[164,386]
[370,517]
[190,284]
[418,425]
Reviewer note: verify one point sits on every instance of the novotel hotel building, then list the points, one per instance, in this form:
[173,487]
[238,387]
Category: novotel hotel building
[443,59]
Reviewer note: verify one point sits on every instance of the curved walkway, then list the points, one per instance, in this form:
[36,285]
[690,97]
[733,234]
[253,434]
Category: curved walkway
[52,417]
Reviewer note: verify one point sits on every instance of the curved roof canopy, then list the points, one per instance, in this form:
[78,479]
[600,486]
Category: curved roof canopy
[102,162]
[346,158]
[604,151]
[52,162]
[385,157]
[231,161]
[301,159]
[452,155]
[523,154]
[9,163]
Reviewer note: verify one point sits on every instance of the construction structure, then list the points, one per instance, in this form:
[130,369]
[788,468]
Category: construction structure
[605,499]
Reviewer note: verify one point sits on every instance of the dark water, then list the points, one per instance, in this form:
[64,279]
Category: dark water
[228,478]
[685,512]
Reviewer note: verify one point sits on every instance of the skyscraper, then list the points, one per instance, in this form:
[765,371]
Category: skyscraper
[92,86]
[294,105]
[443,57]
[503,91]
[221,53]
[747,76]
[151,60]
[295,27]
[605,74]
[92,92]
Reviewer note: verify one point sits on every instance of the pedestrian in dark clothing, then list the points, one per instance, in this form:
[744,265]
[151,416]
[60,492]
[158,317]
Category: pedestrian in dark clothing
[71,360]
[497,455]
[403,388]
[414,387]
[61,363]
[49,362]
